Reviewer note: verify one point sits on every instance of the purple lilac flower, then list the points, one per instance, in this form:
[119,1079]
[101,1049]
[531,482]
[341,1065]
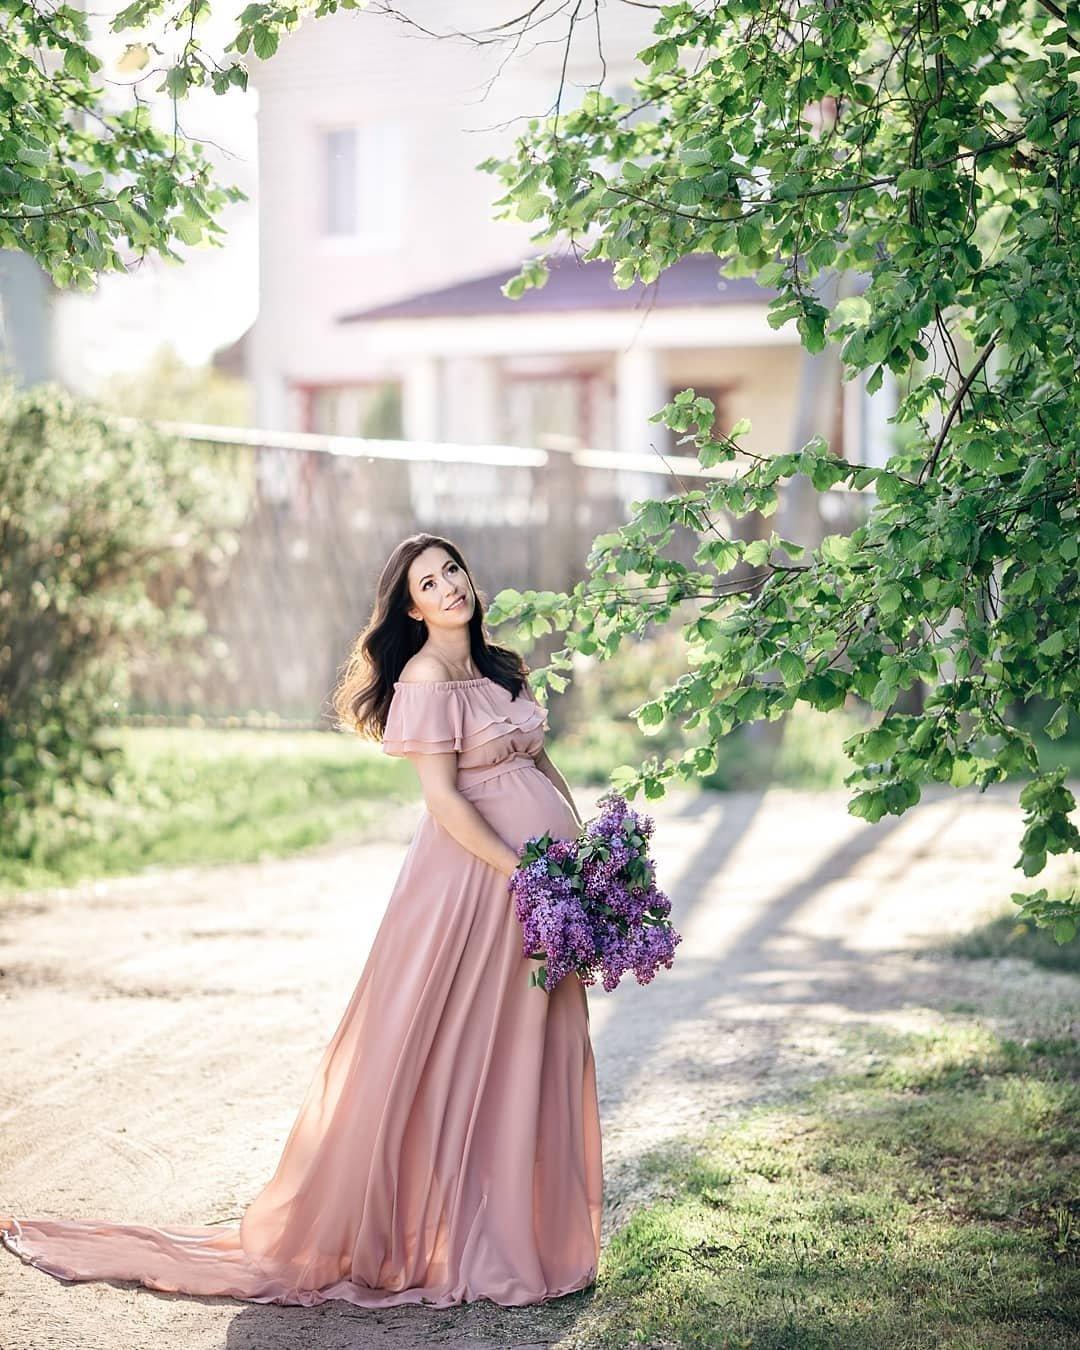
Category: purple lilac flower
[591,904]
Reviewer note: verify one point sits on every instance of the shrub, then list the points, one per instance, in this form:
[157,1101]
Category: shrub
[90,510]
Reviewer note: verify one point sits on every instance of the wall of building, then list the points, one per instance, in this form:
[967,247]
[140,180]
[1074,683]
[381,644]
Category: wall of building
[452,108]
[26,319]
[762,384]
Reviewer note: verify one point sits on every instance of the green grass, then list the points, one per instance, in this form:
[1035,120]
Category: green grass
[1004,935]
[930,1199]
[195,796]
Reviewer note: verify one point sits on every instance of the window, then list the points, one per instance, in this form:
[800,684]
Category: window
[546,409]
[362,183]
[370,409]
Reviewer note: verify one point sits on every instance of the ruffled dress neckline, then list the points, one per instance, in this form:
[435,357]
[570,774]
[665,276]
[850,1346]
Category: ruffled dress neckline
[442,684]
[478,718]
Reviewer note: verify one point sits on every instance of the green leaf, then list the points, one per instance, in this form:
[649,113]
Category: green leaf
[187,230]
[1054,645]
[723,554]
[823,691]
[877,745]
[663,57]
[655,517]
[177,80]
[75,62]
[532,208]
[34,192]
[837,548]
[792,667]
[622,777]
[869,806]
[890,598]
[650,714]
[687,192]
[1064,930]
[265,41]
[915,178]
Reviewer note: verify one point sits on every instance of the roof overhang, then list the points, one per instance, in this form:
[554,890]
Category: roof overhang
[737,326]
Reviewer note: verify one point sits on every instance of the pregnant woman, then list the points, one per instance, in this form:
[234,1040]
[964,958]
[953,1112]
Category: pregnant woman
[448,1148]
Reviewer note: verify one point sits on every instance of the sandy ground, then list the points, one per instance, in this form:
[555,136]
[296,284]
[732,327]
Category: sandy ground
[157,1033]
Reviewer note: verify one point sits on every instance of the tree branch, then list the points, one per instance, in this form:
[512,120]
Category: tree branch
[1053,9]
[931,464]
[755,204]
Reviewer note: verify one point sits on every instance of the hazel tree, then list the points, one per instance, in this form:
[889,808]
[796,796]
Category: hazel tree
[928,148]
[90,179]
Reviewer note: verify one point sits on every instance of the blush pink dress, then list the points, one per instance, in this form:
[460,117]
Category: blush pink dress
[448,1147]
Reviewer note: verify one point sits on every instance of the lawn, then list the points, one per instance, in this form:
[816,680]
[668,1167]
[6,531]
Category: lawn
[197,795]
[190,795]
[1004,935]
[932,1198]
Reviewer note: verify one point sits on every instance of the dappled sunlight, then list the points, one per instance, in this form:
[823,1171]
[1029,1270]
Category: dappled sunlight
[797,919]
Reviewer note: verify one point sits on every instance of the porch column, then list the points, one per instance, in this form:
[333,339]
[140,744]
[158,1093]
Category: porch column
[640,391]
[471,400]
[880,433]
[868,433]
[421,399]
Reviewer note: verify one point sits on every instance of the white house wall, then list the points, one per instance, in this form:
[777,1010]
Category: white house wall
[361,65]
[763,383]
[358,65]
[451,377]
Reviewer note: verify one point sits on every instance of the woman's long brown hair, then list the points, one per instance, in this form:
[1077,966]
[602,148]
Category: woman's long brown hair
[365,687]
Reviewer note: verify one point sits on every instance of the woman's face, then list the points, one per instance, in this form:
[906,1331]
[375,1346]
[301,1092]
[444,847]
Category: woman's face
[439,590]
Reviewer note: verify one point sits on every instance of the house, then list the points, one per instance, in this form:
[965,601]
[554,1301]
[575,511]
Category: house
[27,353]
[381,263]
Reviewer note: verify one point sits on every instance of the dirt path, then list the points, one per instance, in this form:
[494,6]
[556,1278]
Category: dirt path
[158,1032]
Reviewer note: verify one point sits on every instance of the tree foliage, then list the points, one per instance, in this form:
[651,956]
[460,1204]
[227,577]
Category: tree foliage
[86,172]
[929,148]
[90,511]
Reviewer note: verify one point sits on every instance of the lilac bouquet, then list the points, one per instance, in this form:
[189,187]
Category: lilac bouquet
[591,905]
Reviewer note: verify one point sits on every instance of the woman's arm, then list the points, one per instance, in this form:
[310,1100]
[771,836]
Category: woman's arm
[457,815]
[548,769]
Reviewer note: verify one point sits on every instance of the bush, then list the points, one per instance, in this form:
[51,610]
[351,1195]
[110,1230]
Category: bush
[89,512]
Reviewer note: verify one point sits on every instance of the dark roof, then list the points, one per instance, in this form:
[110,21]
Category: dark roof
[572,285]
[233,357]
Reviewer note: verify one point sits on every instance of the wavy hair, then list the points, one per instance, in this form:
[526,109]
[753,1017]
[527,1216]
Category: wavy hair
[361,698]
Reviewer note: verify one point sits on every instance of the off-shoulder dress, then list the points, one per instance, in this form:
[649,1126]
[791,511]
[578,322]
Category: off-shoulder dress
[448,1147]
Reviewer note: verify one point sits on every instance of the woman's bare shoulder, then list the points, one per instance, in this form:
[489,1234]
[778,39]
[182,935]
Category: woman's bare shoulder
[423,668]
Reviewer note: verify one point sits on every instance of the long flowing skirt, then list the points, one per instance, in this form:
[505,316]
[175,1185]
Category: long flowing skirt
[448,1147]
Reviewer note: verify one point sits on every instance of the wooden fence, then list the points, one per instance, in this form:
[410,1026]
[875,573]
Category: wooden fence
[314,520]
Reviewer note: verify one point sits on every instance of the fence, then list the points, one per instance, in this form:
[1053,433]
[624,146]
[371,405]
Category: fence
[315,518]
